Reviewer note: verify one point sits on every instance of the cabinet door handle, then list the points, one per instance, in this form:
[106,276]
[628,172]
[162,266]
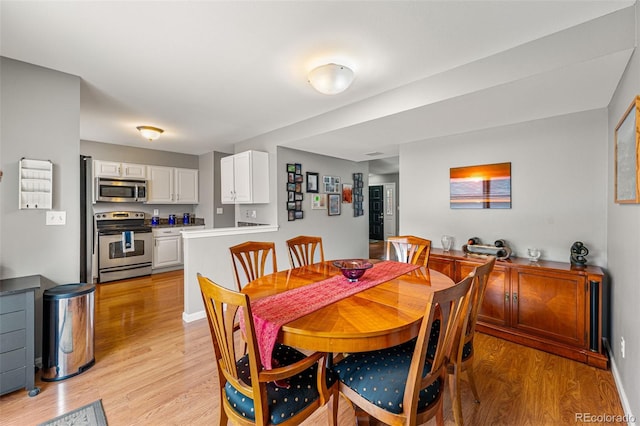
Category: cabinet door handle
[506,296]
[515,297]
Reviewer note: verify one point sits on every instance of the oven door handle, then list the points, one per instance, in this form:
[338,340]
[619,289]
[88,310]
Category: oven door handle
[118,232]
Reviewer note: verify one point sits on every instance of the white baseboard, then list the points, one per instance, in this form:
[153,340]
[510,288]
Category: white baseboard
[194,316]
[626,408]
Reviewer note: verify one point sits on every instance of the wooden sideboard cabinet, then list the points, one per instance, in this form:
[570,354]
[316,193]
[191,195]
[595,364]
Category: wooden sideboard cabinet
[551,306]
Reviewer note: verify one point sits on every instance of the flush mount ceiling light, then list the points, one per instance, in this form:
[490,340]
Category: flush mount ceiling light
[331,79]
[150,132]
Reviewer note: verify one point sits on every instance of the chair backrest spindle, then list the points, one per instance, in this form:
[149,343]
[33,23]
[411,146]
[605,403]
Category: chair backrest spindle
[303,250]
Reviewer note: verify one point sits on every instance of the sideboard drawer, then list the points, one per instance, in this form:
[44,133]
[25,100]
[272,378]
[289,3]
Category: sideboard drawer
[13,360]
[13,340]
[12,380]
[12,303]
[12,321]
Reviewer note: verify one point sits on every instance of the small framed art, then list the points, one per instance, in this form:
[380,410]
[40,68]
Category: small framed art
[312,182]
[627,155]
[335,200]
[319,202]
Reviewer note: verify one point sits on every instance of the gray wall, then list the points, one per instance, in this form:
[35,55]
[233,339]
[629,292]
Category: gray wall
[210,197]
[227,218]
[558,185]
[128,154]
[623,234]
[40,119]
[343,236]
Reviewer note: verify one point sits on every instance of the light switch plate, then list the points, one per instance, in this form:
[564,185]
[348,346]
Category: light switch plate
[56,217]
[219,210]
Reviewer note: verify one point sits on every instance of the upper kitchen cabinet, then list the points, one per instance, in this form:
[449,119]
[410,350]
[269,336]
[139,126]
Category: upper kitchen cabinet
[245,178]
[114,169]
[171,185]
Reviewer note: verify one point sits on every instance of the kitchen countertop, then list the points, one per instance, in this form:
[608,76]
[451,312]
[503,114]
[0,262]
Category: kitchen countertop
[19,284]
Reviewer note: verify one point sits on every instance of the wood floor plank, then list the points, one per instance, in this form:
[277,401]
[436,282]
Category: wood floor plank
[154,369]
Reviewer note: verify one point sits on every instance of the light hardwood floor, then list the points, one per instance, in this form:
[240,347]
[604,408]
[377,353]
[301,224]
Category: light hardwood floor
[154,369]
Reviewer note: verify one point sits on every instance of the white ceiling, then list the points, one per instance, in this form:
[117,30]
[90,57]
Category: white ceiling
[214,73]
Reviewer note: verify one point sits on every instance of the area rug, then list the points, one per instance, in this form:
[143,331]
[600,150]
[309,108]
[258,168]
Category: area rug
[89,415]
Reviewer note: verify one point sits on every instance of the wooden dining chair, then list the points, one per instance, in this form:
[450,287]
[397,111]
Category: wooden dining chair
[253,257]
[401,385]
[462,353]
[303,249]
[248,393]
[409,249]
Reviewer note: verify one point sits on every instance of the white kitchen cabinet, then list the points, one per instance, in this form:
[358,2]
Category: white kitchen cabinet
[171,185]
[244,178]
[186,185]
[167,247]
[121,170]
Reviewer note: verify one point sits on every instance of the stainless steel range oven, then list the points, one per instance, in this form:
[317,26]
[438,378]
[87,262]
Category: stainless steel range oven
[124,245]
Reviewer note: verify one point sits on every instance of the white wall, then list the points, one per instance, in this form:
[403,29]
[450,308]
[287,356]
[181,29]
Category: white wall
[558,181]
[623,234]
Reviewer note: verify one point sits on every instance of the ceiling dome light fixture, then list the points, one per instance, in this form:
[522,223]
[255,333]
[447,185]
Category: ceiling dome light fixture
[331,79]
[150,132]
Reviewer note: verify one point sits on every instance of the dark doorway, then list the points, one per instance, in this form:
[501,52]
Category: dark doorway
[376,213]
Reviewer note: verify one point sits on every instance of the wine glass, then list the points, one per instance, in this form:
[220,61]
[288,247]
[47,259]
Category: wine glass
[534,254]
[447,242]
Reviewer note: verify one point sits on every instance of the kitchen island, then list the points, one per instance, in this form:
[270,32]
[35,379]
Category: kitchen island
[206,251]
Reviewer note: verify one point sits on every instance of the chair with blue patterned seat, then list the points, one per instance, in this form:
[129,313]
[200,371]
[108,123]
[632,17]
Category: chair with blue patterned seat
[401,385]
[462,354]
[248,393]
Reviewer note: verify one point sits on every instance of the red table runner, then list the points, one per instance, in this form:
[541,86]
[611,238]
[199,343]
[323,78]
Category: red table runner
[272,312]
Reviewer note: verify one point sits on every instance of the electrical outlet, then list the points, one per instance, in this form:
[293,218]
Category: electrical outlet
[622,346]
[56,218]
[219,210]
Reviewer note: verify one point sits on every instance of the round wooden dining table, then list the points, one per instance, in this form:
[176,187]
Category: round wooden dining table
[379,317]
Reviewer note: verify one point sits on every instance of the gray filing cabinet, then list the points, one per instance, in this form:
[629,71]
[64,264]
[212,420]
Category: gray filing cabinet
[17,334]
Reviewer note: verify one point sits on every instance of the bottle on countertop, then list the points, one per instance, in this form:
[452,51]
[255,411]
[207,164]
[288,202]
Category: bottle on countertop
[172,219]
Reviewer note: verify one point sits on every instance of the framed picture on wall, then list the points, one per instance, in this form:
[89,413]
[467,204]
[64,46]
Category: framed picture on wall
[347,193]
[627,167]
[335,200]
[319,202]
[485,186]
[312,182]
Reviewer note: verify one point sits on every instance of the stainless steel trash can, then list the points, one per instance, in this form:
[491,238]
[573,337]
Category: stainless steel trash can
[68,331]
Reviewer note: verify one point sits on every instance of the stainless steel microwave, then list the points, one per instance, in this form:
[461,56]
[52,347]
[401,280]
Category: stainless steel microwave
[120,190]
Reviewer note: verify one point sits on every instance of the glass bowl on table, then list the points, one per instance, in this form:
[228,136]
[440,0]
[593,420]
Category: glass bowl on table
[353,269]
